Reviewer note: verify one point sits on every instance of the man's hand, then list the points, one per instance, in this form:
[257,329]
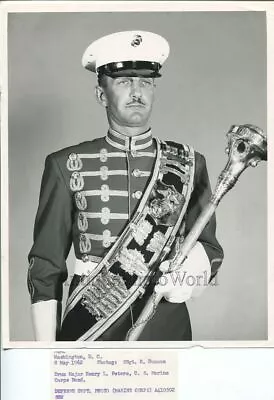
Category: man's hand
[174,285]
[187,281]
[44,315]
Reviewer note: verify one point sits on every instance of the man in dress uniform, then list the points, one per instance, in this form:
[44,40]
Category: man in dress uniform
[125,201]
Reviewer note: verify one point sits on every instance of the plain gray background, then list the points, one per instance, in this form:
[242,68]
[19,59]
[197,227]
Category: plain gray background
[215,77]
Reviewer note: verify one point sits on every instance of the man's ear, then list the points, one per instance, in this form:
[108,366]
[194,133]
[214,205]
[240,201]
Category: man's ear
[100,96]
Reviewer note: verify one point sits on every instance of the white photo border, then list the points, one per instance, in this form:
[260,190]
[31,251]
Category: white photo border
[126,6]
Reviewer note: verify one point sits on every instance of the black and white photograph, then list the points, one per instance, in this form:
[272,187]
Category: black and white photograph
[136,188]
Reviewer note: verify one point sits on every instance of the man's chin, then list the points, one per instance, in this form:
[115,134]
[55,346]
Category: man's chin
[137,119]
[136,124]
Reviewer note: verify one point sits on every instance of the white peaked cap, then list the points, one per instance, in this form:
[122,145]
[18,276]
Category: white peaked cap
[126,47]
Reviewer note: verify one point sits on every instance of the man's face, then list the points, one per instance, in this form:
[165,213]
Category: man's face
[128,100]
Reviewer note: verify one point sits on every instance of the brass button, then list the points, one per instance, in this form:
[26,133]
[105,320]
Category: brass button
[106,238]
[104,173]
[136,172]
[105,216]
[103,155]
[134,153]
[105,193]
[137,195]
[85,258]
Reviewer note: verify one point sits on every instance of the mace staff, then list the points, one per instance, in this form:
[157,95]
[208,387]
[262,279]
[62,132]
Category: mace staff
[247,146]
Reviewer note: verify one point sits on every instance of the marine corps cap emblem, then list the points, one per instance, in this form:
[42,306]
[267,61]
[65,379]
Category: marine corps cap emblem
[137,40]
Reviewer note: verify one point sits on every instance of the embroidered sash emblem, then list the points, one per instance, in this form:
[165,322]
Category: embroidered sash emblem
[105,294]
[74,162]
[156,243]
[133,262]
[165,207]
[142,231]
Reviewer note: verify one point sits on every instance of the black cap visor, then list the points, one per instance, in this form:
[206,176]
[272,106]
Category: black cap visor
[131,68]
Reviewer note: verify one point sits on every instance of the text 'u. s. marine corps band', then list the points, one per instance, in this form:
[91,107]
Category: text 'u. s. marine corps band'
[125,201]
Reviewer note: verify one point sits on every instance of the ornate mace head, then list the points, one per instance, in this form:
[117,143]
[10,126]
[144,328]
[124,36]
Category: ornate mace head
[247,146]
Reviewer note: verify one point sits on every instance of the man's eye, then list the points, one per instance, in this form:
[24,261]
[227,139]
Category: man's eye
[146,83]
[124,82]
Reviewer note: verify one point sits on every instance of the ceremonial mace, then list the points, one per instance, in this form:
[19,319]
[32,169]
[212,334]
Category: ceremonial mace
[247,146]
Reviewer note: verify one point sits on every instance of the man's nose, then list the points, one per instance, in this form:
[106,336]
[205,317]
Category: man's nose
[136,89]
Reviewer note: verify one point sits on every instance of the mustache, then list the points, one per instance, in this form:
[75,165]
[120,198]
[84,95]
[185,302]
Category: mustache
[136,102]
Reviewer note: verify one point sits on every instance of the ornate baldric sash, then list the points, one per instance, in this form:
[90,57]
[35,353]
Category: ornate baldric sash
[122,275]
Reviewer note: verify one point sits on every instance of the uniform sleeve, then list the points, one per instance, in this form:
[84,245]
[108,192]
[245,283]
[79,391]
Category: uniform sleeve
[200,197]
[52,236]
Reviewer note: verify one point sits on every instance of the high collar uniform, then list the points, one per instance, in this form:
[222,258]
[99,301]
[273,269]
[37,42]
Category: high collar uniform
[89,193]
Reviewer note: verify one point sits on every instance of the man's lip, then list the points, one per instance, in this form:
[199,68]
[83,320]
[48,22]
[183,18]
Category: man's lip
[135,105]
